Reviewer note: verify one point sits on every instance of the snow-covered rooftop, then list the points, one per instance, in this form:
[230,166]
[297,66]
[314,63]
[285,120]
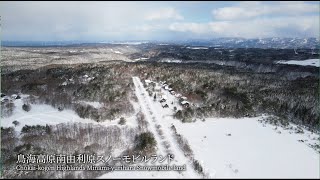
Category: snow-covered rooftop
[184,102]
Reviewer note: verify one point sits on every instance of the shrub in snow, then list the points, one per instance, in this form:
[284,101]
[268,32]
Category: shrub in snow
[26,107]
[197,166]
[187,120]
[166,144]
[122,121]
[142,123]
[150,93]
[7,109]
[160,132]
[178,114]
[145,141]
[16,123]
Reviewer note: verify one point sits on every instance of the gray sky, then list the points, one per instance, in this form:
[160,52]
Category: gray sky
[104,21]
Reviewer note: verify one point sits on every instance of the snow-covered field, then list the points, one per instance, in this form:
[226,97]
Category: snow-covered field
[197,48]
[308,62]
[42,114]
[251,150]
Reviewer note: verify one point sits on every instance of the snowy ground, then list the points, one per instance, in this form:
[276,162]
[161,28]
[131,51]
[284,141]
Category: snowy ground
[308,62]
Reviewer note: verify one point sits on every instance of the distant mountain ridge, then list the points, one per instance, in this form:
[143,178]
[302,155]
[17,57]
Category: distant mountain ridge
[278,43]
[264,43]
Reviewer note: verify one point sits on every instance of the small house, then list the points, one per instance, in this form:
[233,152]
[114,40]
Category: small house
[185,103]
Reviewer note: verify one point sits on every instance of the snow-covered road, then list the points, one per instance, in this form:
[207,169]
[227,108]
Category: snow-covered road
[166,143]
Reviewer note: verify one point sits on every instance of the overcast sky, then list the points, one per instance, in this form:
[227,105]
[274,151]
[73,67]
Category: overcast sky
[104,21]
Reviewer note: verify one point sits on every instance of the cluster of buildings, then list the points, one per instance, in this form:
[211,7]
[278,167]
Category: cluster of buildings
[163,100]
